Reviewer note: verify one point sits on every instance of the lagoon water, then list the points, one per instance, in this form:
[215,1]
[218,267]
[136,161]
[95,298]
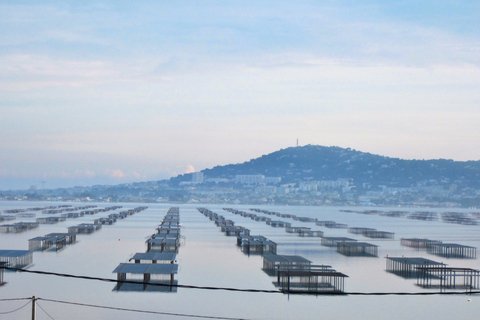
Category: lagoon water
[209,258]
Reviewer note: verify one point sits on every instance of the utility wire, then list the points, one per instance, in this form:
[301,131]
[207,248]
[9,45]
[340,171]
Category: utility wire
[411,293]
[472,292]
[44,310]
[16,299]
[140,282]
[137,310]
[16,309]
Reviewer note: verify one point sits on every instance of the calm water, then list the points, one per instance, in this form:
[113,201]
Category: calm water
[209,258]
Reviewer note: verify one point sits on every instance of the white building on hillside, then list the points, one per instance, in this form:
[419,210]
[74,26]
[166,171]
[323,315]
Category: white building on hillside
[197,177]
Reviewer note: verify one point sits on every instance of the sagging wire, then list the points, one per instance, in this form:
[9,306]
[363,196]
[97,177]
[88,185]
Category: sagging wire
[8,312]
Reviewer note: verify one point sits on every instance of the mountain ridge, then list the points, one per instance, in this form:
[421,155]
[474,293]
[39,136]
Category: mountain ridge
[314,162]
[306,175]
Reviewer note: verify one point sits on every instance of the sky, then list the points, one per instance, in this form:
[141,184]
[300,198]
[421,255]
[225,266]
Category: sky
[109,92]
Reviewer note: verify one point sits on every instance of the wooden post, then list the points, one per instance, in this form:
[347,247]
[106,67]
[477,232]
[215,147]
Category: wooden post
[34,306]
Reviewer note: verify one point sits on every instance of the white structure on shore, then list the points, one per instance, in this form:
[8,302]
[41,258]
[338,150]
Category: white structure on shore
[256,179]
[197,177]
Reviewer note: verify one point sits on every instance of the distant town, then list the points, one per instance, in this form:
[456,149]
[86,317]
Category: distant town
[259,189]
[309,175]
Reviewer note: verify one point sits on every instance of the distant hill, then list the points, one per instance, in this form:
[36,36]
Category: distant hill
[330,163]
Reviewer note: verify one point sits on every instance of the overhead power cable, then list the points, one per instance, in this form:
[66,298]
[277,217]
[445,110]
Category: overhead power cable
[472,292]
[139,282]
[16,309]
[16,299]
[139,311]
[38,305]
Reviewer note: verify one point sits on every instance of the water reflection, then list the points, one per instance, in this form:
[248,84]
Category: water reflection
[209,258]
[165,286]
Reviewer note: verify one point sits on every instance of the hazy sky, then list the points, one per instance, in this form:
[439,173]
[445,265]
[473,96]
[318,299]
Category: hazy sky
[118,91]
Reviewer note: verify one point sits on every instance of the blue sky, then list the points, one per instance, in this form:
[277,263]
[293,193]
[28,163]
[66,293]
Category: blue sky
[115,91]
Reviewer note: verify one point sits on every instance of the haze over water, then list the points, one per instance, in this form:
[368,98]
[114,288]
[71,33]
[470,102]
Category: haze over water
[209,258]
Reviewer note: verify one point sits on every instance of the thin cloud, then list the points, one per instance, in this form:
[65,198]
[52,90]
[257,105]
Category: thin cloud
[190,169]
[117,92]
[115,173]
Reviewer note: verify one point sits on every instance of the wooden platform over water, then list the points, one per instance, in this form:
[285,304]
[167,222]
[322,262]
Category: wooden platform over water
[407,267]
[444,278]
[153,257]
[332,241]
[315,279]
[1,272]
[18,227]
[378,234]
[146,272]
[418,243]
[273,262]
[16,258]
[357,249]
[453,250]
